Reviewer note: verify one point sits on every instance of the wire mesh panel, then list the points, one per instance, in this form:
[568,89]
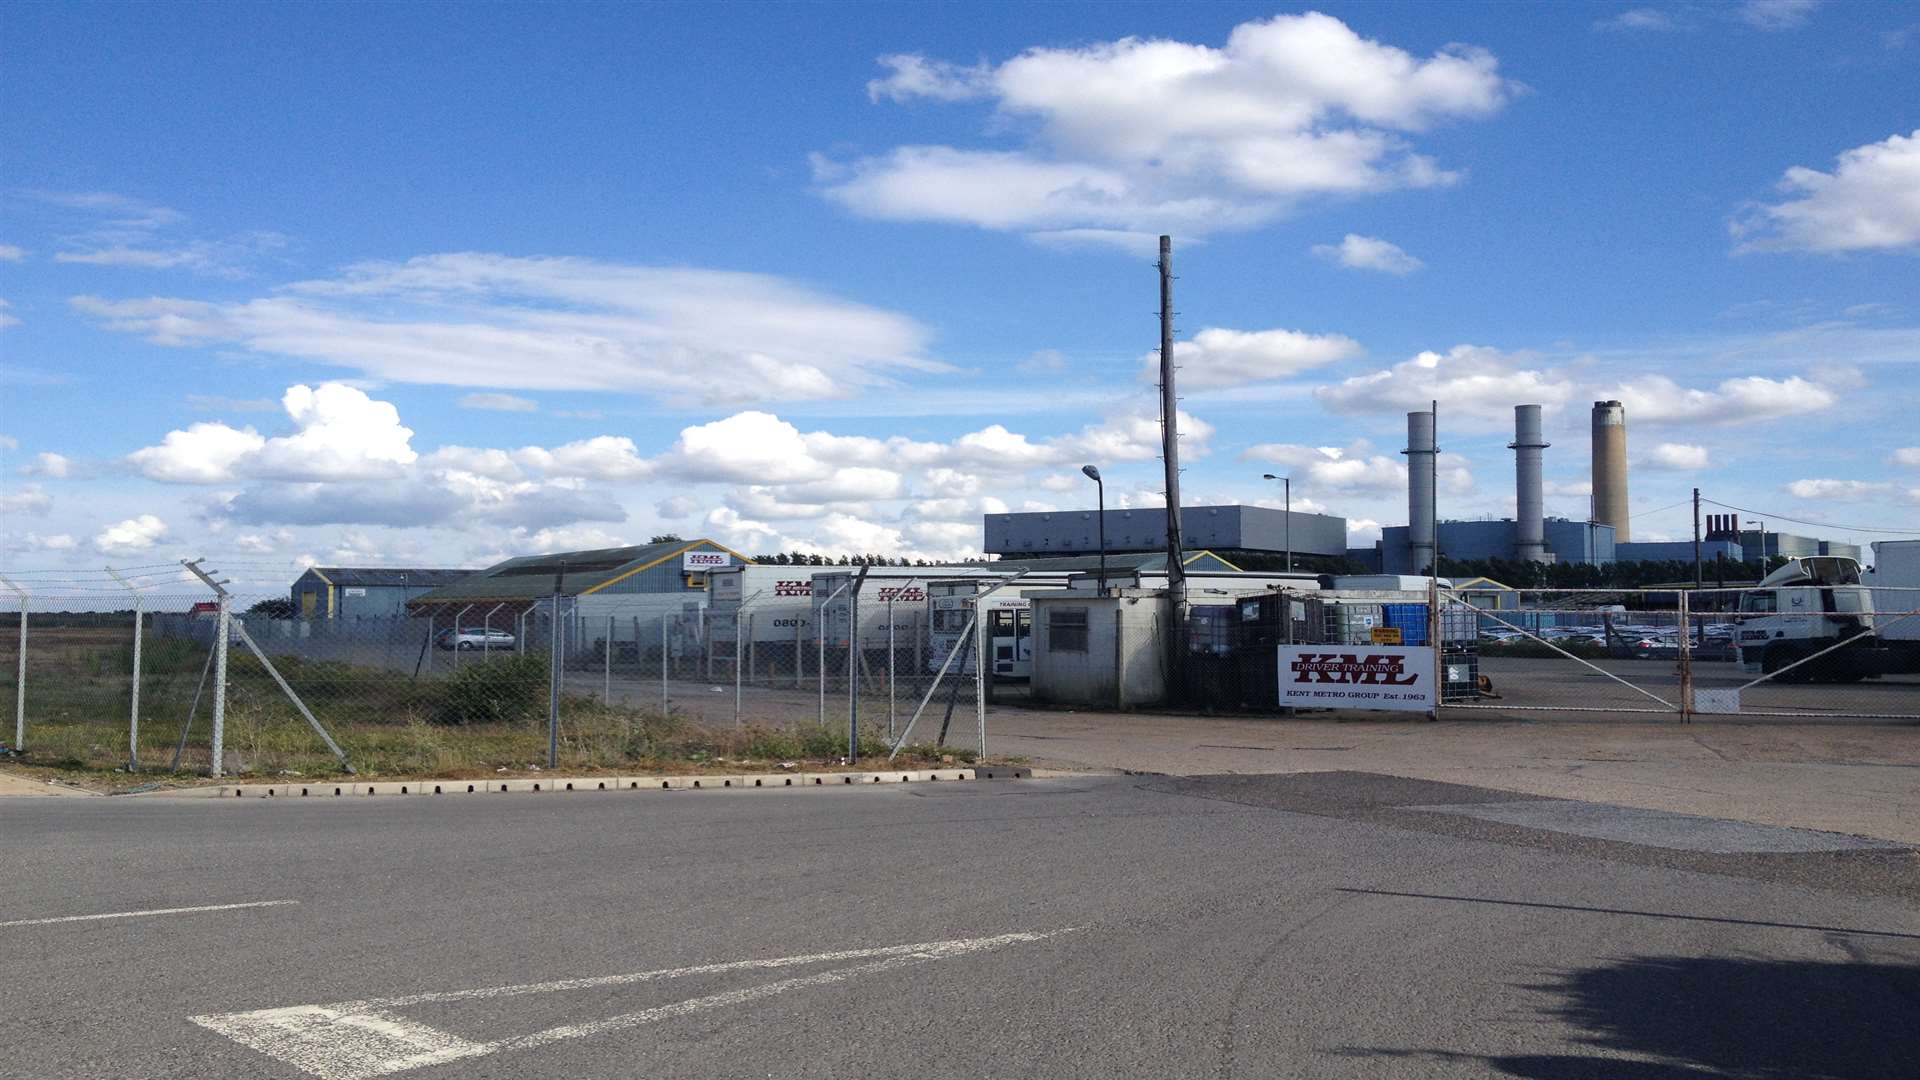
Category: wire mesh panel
[1585,651]
[1810,650]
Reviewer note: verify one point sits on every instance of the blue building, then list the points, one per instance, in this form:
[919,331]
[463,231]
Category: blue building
[1567,541]
[362,592]
[673,566]
[1677,551]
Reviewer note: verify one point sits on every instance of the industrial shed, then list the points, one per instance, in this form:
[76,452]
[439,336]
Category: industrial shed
[363,592]
[675,568]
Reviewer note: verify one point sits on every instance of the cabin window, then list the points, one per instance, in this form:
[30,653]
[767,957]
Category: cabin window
[1067,629]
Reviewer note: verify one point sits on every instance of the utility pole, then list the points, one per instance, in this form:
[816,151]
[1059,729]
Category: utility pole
[1170,454]
[221,625]
[1697,575]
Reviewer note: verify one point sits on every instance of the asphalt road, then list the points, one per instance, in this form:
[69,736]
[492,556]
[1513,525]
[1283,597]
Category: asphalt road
[1313,925]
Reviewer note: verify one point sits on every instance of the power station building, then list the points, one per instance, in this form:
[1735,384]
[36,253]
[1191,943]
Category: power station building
[1215,528]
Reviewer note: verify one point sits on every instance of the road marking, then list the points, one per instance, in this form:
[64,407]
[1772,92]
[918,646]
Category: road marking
[150,912]
[358,1040]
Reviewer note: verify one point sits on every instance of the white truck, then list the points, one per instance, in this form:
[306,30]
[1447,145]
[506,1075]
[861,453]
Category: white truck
[1816,602]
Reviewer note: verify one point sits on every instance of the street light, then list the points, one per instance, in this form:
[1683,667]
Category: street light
[1762,524]
[1288,481]
[1100,488]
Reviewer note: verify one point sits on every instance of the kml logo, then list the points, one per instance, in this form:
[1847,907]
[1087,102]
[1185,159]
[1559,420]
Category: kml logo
[1376,669]
[793,588]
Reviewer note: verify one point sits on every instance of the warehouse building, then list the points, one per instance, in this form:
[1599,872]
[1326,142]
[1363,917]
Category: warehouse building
[1225,529]
[364,592]
[1677,551]
[673,568]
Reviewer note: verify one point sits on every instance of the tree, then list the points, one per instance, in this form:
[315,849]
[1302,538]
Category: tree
[668,538]
[273,607]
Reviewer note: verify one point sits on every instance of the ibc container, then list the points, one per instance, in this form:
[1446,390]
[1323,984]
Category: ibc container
[1410,620]
[1353,623]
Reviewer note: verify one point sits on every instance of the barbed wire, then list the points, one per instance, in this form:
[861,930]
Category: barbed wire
[1814,524]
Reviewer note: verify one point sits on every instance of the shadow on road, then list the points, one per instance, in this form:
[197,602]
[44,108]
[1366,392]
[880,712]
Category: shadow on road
[1727,1017]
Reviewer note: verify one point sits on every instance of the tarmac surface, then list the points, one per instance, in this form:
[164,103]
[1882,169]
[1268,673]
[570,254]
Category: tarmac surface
[1318,924]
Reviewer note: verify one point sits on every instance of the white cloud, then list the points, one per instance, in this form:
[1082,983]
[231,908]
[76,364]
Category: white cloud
[1217,358]
[342,434]
[1656,399]
[1869,202]
[263,543]
[49,464]
[1043,362]
[53,542]
[7,320]
[497,322]
[565,538]
[498,403]
[1362,532]
[492,464]
[1638,19]
[1357,252]
[1353,468]
[1676,457]
[1473,383]
[1145,244]
[602,457]
[675,507]
[1137,135]
[26,499]
[8,442]
[12,253]
[130,537]
[1841,490]
[1908,456]
[1777,14]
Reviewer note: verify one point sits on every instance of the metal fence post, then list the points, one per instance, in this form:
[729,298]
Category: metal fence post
[133,715]
[553,687]
[799,654]
[221,631]
[1686,660]
[20,676]
[736,670]
[890,675]
[666,701]
[607,690]
[980,669]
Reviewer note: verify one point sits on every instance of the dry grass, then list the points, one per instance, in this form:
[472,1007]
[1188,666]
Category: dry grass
[390,724]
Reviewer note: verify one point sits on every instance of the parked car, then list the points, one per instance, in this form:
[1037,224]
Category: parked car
[466,640]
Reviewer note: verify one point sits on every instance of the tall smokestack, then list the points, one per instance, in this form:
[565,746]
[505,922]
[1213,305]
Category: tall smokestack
[1610,467]
[1529,501]
[1420,459]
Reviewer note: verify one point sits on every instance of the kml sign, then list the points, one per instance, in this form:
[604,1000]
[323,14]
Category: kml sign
[1357,677]
[704,560]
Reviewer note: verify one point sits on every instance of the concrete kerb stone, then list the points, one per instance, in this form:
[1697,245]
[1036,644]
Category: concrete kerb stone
[567,785]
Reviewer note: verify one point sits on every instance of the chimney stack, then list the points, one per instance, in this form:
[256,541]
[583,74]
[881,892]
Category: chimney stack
[1529,504]
[1610,468]
[1420,453]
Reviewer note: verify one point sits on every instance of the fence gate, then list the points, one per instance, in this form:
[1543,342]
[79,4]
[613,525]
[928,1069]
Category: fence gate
[1577,650]
[1808,652]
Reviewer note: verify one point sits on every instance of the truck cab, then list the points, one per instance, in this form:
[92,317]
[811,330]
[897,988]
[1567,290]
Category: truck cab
[1806,606]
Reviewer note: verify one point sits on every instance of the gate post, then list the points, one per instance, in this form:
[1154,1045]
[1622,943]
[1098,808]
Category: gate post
[1686,660]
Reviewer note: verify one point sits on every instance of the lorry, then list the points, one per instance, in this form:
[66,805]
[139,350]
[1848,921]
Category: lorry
[1814,603]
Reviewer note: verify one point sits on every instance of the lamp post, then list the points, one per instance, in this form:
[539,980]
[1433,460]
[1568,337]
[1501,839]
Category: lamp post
[1762,524]
[1100,490]
[1288,527]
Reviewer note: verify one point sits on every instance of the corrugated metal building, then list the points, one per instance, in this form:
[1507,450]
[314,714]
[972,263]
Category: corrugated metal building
[1220,528]
[1567,541]
[652,569]
[362,592]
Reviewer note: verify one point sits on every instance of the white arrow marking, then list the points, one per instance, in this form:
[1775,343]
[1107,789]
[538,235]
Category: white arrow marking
[357,1040]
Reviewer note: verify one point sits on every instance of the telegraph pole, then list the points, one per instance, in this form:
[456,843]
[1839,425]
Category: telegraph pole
[1697,580]
[1170,454]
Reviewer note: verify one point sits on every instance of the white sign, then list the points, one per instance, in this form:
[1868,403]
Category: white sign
[1716,701]
[704,560]
[355,592]
[1357,677]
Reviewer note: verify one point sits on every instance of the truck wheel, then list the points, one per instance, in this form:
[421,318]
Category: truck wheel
[1778,657]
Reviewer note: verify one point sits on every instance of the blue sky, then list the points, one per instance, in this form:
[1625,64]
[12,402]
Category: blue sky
[392,283]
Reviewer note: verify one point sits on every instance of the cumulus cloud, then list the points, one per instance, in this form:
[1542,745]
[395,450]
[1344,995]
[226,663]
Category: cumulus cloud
[1473,383]
[498,403]
[131,537]
[1908,456]
[497,322]
[340,434]
[49,464]
[675,507]
[1217,358]
[1656,399]
[12,253]
[26,499]
[1676,457]
[1477,388]
[1357,252]
[1136,135]
[1869,202]
[1842,490]
[1352,468]
[38,542]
